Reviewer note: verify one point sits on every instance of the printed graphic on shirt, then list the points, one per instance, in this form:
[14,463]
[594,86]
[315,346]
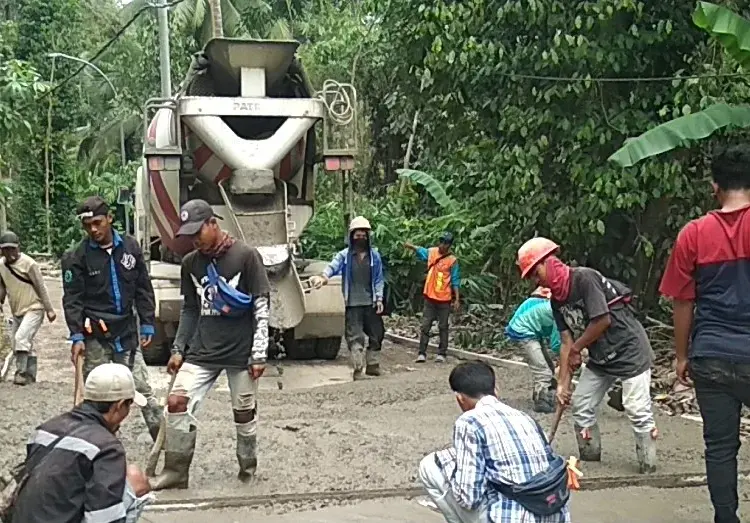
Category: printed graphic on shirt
[207,292]
[128,261]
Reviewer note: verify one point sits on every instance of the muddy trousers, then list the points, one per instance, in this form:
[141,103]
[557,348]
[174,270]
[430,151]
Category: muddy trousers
[432,311]
[193,383]
[23,332]
[542,376]
[98,352]
[636,401]
[721,388]
[363,323]
[436,485]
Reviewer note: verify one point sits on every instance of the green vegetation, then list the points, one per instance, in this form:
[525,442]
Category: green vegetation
[509,111]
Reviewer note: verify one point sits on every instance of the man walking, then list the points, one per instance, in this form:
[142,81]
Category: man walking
[76,470]
[362,284]
[708,278]
[104,279]
[595,312]
[224,320]
[495,448]
[441,288]
[21,281]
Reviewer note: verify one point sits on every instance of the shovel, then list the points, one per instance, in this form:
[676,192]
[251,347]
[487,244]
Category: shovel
[153,456]
[78,389]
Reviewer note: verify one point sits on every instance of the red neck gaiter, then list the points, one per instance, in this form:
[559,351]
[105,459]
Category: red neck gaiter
[222,246]
[558,278]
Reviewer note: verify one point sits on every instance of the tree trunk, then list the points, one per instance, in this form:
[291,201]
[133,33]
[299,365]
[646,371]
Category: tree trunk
[217,21]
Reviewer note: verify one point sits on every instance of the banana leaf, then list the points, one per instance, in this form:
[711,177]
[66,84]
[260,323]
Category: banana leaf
[726,26]
[680,132]
[430,184]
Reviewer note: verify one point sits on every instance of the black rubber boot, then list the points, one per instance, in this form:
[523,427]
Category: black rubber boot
[180,448]
[615,399]
[589,449]
[152,415]
[31,369]
[545,401]
[246,457]
[645,451]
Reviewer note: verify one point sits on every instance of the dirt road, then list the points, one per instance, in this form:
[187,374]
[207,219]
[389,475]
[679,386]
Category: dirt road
[339,435]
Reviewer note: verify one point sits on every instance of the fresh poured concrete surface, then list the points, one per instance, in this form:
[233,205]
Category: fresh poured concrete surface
[642,505]
[321,433]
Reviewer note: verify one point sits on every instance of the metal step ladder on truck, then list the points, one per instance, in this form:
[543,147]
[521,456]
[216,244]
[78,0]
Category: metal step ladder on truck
[240,134]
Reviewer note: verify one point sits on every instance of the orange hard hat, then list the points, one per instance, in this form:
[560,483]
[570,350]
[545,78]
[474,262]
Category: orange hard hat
[534,251]
[542,292]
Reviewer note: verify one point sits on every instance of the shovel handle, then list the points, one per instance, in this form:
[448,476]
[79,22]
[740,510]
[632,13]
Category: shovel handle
[78,390]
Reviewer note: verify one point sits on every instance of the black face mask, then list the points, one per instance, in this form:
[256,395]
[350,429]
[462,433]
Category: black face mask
[360,243]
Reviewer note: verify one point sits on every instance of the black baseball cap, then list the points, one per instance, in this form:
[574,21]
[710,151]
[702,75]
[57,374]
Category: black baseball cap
[193,215]
[92,206]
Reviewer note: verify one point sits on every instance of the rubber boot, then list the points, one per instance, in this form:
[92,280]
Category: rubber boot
[246,457]
[358,364]
[373,363]
[544,401]
[589,443]
[152,415]
[645,451]
[178,454]
[22,359]
[31,369]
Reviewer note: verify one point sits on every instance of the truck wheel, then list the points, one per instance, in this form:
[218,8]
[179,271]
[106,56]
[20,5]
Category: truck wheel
[328,348]
[300,349]
[156,355]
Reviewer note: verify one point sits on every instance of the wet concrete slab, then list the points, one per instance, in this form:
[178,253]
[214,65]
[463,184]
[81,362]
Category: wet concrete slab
[627,505]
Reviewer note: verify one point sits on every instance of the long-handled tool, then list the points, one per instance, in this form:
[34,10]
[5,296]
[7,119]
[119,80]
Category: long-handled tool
[78,390]
[153,456]
[555,423]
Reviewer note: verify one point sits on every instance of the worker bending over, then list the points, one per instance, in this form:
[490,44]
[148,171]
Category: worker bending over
[594,312]
[104,279]
[441,289]
[532,325]
[361,269]
[223,327]
[22,283]
[497,453]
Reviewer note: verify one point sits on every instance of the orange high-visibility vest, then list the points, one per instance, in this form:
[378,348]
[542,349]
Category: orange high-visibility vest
[437,286]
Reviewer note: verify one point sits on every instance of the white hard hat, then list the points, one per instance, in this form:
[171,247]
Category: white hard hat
[360,222]
[110,382]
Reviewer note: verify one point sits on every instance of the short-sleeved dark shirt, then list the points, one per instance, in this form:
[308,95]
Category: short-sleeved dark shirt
[710,264]
[624,350]
[221,341]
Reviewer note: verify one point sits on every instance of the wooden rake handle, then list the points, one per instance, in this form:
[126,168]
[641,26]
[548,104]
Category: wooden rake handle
[78,389]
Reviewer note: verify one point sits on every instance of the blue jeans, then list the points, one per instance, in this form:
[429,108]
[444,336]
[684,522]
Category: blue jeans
[721,389]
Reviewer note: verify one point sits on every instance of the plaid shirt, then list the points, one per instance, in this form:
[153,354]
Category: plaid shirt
[495,442]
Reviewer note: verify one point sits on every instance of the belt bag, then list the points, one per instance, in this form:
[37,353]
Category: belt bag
[547,492]
[227,300]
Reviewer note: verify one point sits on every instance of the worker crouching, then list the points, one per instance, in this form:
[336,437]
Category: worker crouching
[594,312]
[362,284]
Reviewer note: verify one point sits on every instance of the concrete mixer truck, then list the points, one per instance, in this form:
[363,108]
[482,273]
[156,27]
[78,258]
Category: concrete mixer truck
[241,134]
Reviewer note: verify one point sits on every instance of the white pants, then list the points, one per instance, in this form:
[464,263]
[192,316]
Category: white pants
[194,382]
[541,374]
[636,399]
[437,487]
[24,330]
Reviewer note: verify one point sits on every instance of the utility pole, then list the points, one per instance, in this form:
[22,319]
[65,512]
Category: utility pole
[162,13]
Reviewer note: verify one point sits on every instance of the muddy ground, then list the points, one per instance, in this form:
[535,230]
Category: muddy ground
[338,436]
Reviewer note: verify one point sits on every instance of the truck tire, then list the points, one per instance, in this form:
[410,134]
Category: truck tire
[328,348]
[300,349]
[156,355]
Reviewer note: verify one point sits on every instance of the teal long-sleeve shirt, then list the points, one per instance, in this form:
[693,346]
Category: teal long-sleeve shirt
[423,255]
[534,320]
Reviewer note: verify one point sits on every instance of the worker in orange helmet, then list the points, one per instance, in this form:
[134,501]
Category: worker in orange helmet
[595,312]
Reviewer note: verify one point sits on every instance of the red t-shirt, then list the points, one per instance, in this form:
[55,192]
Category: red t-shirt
[710,264]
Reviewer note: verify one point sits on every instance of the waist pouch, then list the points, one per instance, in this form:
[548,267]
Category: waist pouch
[546,493]
[227,300]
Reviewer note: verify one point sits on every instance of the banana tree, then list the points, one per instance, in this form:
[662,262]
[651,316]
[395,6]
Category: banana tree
[733,32]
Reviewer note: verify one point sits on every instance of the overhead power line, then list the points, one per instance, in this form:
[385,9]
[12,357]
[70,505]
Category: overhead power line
[103,48]
[628,79]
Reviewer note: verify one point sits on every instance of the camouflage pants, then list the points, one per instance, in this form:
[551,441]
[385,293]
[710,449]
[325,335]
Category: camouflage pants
[97,353]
